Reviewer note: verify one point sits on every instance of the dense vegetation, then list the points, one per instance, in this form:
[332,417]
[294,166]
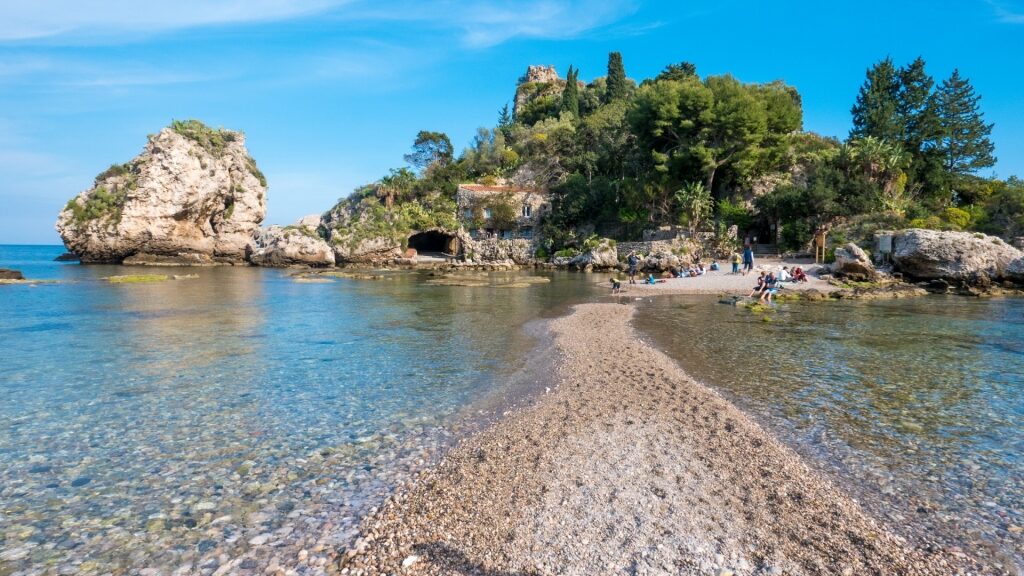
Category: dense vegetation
[711,152]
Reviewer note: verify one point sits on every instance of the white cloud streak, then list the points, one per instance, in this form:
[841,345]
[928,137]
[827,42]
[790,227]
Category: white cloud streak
[1006,14]
[34,19]
[478,25]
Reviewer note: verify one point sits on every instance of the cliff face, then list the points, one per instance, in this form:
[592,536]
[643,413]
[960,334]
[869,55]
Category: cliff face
[193,196]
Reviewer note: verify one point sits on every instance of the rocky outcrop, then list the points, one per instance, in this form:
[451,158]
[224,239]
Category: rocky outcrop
[358,235]
[960,257]
[661,261]
[853,262]
[194,196]
[296,245]
[602,256]
[518,250]
[8,274]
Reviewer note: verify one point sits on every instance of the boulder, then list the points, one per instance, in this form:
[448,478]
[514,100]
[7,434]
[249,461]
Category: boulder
[602,256]
[661,261]
[297,245]
[360,235]
[962,257]
[8,274]
[517,250]
[852,261]
[193,196]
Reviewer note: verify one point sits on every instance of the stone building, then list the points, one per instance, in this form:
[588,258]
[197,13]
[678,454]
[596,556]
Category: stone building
[503,212]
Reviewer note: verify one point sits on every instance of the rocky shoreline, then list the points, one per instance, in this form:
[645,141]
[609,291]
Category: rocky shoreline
[627,465]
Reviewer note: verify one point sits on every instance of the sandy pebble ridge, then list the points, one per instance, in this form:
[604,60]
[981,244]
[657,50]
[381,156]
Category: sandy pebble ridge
[628,466]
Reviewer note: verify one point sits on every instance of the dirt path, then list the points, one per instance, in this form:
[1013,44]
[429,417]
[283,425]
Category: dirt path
[627,466]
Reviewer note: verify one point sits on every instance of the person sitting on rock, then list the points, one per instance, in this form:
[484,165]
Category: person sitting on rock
[770,288]
[760,285]
[784,275]
[799,275]
[714,265]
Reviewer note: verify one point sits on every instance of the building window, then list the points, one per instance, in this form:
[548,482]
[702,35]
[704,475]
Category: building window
[506,235]
[527,210]
[487,213]
[526,232]
[467,213]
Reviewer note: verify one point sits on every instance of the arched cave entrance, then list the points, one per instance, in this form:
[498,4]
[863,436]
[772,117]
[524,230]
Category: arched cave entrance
[434,242]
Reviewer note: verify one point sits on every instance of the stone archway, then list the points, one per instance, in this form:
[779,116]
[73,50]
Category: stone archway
[434,242]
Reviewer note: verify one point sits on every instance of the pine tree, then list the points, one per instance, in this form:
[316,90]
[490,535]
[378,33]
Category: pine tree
[570,96]
[616,81]
[914,108]
[964,136]
[505,122]
[876,111]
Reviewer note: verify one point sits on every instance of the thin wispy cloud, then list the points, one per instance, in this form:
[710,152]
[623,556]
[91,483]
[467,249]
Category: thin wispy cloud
[1007,13]
[49,18]
[476,25]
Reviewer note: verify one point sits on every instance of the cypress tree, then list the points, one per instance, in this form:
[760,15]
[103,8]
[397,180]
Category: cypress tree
[915,109]
[616,81]
[505,122]
[876,111]
[964,136]
[570,96]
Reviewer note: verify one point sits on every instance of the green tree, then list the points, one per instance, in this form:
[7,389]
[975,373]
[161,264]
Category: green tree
[964,136]
[397,184]
[505,121]
[430,149]
[680,71]
[570,95]
[616,86]
[695,205]
[876,111]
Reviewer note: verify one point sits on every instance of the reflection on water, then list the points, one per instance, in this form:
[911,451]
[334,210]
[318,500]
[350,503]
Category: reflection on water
[167,424]
[919,401]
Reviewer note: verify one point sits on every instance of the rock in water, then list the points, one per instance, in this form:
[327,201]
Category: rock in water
[962,257]
[852,261]
[601,256]
[297,245]
[8,274]
[194,196]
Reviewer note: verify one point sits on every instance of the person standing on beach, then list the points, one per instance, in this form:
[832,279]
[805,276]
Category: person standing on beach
[736,260]
[632,261]
[748,259]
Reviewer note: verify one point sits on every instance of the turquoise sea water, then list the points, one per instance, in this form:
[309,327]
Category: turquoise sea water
[185,424]
[158,425]
[915,406]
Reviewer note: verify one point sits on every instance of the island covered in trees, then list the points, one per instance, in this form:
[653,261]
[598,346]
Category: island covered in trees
[619,157]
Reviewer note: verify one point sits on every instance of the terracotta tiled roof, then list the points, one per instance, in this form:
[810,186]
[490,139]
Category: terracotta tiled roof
[513,189]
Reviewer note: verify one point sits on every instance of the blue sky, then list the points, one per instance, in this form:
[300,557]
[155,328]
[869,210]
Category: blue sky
[332,92]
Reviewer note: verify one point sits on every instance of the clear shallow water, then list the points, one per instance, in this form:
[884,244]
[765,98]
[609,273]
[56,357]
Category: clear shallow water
[916,406]
[163,425]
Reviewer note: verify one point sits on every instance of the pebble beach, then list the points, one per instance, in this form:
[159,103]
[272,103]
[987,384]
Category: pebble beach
[626,465]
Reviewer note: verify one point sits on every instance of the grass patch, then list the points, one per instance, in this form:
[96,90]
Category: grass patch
[101,203]
[250,163]
[136,278]
[213,140]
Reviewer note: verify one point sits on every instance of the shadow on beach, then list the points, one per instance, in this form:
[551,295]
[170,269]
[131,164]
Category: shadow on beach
[454,561]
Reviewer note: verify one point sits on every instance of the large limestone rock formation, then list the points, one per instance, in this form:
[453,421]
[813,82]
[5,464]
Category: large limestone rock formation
[955,256]
[852,261]
[193,196]
[661,261]
[296,245]
[358,235]
[602,256]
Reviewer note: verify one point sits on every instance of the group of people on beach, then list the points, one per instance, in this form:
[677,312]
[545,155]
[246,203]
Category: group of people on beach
[768,283]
